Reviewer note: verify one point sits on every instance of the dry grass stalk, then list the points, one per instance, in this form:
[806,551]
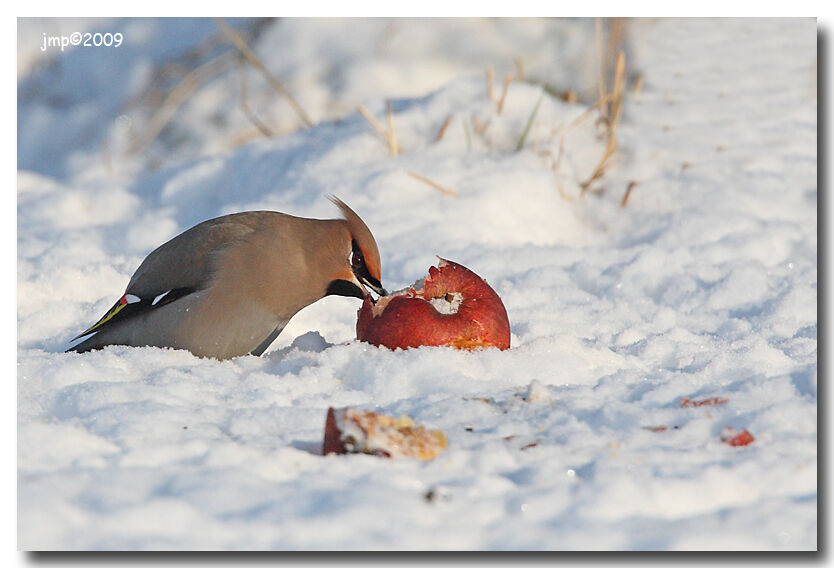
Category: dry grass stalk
[250,56]
[193,80]
[562,193]
[467,132]
[519,68]
[479,127]
[614,108]
[608,105]
[610,148]
[558,161]
[607,54]
[601,84]
[569,96]
[507,80]
[616,38]
[445,127]
[154,91]
[638,84]
[435,185]
[245,137]
[386,135]
[393,146]
[490,80]
[374,122]
[587,112]
[631,185]
[244,105]
[619,88]
[554,165]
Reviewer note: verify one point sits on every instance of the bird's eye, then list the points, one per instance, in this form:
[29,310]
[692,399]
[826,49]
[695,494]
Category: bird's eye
[356,258]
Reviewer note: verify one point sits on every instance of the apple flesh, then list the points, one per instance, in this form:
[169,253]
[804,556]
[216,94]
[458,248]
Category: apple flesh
[452,307]
[353,431]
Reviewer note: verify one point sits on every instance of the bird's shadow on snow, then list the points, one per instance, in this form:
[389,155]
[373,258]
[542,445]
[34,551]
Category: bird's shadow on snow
[310,342]
[311,447]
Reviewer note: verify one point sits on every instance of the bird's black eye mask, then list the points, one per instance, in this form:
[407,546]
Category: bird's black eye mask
[344,288]
[360,270]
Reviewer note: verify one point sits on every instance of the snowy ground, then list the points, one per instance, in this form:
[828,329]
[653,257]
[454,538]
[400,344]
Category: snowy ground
[703,285]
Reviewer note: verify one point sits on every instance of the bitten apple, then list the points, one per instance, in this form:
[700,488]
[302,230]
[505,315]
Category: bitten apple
[353,431]
[453,306]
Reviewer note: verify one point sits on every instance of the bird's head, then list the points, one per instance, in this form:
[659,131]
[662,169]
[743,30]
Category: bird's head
[361,269]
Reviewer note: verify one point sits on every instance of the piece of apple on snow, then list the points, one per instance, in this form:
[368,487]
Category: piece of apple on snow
[350,431]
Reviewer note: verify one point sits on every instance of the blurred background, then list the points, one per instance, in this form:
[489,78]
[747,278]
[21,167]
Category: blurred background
[176,89]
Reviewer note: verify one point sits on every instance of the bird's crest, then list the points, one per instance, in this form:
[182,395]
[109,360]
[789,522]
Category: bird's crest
[362,236]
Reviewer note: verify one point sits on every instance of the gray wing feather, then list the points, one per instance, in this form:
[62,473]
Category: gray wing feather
[187,260]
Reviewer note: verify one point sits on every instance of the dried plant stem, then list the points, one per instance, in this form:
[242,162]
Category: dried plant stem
[569,96]
[250,56]
[393,146]
[615,99]
[562,193]
[555,167]
[478,126]
[519,68]
[166,73]
[386,135]
[507,80]
[619,88]
[490,80]
[244,105]
[374,122]
[601,88]
[616,38]
[558,161]
[610,148]
[627,193]
[587,113]
[178,95]
[467,131]
[437,186]
[445,127]
[637,86]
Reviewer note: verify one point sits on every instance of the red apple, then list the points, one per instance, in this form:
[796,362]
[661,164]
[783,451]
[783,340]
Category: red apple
[453,306]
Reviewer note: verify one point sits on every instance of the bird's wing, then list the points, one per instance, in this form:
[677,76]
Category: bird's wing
[187,260]
[179,267]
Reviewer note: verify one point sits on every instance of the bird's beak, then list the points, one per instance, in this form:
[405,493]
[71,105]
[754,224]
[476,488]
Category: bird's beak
[374,285]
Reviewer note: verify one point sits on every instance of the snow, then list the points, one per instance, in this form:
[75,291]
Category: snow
[703,285]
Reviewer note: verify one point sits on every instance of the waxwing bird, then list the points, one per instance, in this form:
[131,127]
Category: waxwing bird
[228,286]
